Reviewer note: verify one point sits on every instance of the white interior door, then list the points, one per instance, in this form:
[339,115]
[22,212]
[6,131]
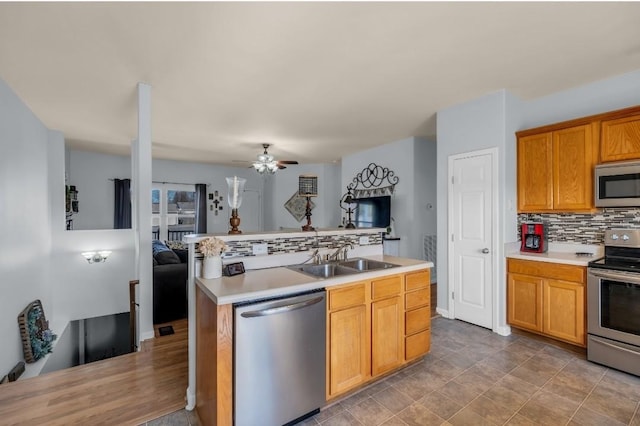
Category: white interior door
[472,196]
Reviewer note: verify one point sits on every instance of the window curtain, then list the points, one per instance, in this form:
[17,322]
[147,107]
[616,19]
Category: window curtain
[122,210]
[201,208]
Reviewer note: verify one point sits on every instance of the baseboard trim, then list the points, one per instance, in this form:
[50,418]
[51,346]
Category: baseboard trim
[191,400]
[443,312]
[504,330]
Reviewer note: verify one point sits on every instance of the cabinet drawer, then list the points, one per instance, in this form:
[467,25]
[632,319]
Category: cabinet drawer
[417,298]
[417,344]
[347,296]
[386,287]
[417,319]
[557,271]
[416,280]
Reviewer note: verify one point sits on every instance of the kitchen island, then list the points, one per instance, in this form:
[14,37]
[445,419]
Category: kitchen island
[385,312]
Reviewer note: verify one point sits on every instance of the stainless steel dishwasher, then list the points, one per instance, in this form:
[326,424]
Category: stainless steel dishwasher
[279,354]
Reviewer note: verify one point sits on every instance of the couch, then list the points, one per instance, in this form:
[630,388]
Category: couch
[170,274]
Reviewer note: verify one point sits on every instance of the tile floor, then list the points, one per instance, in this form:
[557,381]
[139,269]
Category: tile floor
[475,377]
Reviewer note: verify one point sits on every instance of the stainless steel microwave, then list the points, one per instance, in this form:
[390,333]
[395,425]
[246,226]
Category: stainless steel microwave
[617,184]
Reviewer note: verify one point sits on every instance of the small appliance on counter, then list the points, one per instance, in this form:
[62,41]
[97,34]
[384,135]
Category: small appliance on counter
[534,237]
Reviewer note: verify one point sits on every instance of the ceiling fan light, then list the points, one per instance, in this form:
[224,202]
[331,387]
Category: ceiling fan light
[265,158]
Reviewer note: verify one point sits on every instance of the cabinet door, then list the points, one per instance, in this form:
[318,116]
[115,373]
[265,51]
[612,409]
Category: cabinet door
[574,156]
[620,139]
[535,174]
[564,310]
[387,335]
[348,349]
[524,301]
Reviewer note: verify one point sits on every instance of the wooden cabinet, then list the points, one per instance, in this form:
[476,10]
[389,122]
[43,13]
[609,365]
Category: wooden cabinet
[348,348]
[374,327]
[564,310]
[547,298]
[524,308]
[387,328]
[386,335]
[535,162]
[417,317]
[620,139]
[555,169]
[348,338]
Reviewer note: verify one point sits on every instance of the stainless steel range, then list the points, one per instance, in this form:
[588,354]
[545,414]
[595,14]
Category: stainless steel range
[613,307]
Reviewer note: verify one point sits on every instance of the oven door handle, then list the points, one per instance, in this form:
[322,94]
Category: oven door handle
[633,279]
[620,348]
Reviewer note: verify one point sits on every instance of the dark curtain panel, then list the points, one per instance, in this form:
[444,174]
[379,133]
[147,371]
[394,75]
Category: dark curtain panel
[201,208]
[122,211]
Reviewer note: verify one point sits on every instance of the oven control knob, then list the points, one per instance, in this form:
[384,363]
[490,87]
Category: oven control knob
[614,236]
[625,237]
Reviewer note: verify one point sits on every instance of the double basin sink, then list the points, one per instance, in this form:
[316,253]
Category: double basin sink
[345,267]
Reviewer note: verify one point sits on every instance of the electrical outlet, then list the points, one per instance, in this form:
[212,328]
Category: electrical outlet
[260,249]
[364,240]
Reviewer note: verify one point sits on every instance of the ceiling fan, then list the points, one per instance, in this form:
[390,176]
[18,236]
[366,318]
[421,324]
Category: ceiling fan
[267,164]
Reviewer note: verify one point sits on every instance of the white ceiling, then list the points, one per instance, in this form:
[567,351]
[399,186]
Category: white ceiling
[316,80]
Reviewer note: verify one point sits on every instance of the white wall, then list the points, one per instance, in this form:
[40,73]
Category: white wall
[83,290]
[92,174]
[25,223]
[278,188]
[415,189]
[475,125]
[425,192]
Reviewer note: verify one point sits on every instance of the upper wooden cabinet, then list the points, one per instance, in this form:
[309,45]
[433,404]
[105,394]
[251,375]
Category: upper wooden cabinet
[555,169]
[620,139]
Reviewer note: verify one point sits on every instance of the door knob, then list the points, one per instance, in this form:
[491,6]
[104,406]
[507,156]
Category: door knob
[485,250]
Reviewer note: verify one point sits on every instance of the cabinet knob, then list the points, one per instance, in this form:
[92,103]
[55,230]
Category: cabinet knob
[485,250]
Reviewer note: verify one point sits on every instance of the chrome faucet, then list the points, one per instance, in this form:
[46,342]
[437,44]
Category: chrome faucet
[341,252]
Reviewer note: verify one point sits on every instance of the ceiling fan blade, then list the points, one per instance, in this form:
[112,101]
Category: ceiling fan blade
[280,166]
[287,162]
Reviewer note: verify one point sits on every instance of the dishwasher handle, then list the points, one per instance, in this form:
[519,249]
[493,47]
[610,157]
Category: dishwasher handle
[282,308]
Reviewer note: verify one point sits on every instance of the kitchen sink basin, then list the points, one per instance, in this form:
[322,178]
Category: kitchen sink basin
[325,270]
[346,267]
[362,265]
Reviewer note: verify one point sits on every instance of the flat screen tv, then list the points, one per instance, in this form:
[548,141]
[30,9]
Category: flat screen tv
[373,212]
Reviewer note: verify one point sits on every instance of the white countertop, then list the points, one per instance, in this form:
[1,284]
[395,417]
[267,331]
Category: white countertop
[558,253]
[273,282]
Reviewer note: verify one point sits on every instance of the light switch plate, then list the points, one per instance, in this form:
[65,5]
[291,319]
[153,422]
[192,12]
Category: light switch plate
[364,240]
[260,249]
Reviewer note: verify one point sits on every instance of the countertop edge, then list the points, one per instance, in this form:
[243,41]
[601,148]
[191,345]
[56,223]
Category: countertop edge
[308,283]
[546,257]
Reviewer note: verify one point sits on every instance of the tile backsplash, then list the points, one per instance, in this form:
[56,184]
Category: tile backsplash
[283,245]
[583,228]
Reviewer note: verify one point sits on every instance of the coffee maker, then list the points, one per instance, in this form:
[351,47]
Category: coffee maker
[533,236]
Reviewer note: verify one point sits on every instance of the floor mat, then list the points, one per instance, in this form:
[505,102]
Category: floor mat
[166,330]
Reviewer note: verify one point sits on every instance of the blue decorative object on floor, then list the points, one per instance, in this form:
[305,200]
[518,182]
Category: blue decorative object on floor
[37,339]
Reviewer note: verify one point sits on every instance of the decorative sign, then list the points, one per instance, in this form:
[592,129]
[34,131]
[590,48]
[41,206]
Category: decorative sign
[297,206]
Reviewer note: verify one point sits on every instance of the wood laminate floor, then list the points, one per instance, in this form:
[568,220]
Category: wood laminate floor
[127,390]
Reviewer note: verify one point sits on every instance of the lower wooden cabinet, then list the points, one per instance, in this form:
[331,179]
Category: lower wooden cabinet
[375,327]
[417,317]
[524,306]
[348,349]
[387,336]
[548,299]
[564,310]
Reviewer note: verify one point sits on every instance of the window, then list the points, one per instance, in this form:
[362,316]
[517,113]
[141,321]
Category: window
[173,209]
